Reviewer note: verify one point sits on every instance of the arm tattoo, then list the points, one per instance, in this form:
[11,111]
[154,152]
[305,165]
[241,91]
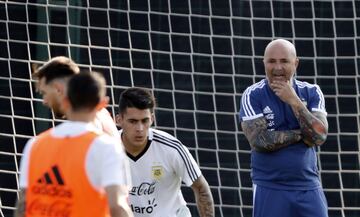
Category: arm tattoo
[262,140]
[203,196]
[21,204]
[313,126]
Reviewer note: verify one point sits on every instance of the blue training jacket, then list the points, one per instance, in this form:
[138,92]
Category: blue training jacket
[293,167]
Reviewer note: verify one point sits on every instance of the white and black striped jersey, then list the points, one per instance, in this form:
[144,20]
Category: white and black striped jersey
[157,174]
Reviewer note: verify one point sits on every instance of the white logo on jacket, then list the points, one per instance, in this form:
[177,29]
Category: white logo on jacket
[269,115]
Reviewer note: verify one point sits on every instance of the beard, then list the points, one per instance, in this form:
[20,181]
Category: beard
[58,113]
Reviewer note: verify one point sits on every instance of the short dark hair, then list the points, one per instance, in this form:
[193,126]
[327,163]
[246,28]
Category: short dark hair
[136,97]
[57,67]
[85,90]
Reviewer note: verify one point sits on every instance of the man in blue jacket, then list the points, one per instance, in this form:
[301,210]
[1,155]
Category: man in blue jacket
[284,119]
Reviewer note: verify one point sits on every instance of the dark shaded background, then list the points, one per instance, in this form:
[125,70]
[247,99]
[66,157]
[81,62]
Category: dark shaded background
[197,56]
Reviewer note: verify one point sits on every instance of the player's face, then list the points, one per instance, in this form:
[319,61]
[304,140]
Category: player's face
[52,96]
[135,124]
[280,63]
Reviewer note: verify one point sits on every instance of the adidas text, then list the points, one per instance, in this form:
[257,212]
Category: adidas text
[52,191]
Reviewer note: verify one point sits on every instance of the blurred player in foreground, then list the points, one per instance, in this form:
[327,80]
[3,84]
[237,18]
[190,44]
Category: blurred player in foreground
[52,81]
[158,162]
[74,169]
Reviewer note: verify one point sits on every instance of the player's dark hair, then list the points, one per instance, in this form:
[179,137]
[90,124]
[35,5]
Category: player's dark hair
[57,67]
[136,97]
[85,90]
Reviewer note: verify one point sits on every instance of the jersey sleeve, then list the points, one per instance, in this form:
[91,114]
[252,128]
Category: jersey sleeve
[106,163]
[24,164]
[250,107]
[185,165]
[316,100]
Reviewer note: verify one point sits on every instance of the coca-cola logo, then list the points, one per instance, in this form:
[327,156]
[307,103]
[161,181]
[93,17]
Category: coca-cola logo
[57,208]
[52,191]
[144,188]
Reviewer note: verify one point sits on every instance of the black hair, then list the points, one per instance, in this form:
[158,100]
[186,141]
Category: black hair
[136,97]
[55,68]
[85,90]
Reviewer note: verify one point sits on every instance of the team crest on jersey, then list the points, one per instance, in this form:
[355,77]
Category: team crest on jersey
[157,172]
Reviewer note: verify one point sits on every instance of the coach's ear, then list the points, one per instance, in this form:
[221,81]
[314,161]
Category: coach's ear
[103,103]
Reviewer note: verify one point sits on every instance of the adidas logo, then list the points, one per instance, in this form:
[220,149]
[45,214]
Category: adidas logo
[267,110]
[52,184]
[55,178]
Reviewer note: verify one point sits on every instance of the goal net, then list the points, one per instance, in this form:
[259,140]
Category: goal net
[197,56]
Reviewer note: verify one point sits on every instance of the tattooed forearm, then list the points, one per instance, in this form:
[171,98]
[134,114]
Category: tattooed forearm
[203,196]
[262,140]
[20,204]
[313,126]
